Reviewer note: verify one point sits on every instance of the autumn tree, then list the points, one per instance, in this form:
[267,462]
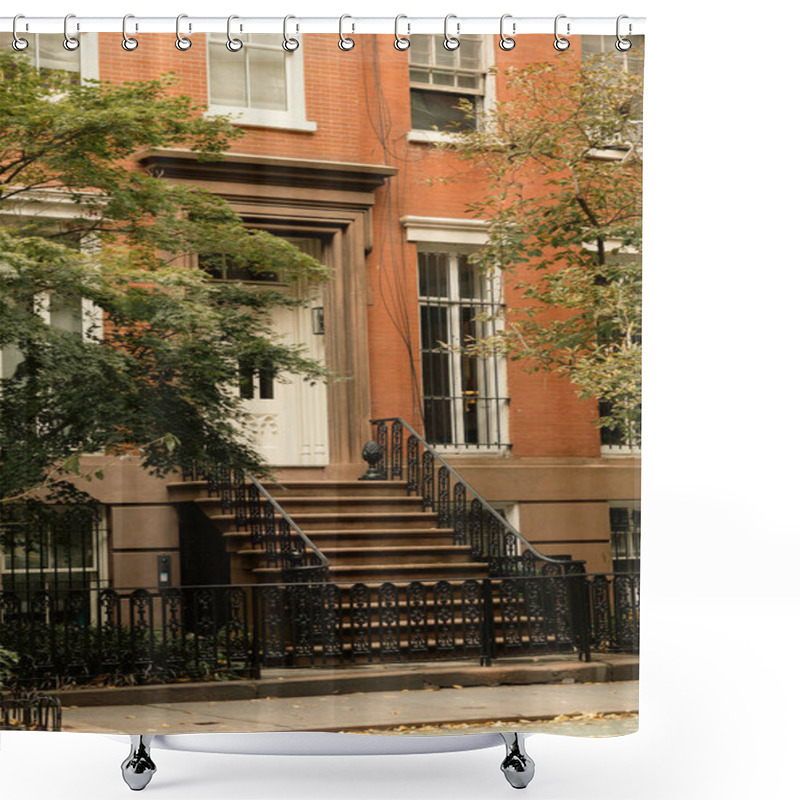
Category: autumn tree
[563,153]
[111,341]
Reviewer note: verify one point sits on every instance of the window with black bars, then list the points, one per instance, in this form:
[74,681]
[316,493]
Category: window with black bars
[462,383]
[626,537]
[51,549]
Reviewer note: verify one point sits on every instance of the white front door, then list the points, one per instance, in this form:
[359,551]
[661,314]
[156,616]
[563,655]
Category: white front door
[287,416]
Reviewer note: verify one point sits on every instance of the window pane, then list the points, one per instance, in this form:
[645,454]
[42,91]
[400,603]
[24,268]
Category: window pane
[419,76]
[267,78]
[445,58]
[420,50]
[443,78]
[468,81]
[227,76]
[437,111]
[433,272]
[52,54]
[470,52]
[66,313]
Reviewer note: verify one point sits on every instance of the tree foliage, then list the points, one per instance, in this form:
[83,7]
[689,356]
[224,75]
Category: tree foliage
[156,370]
[563,153]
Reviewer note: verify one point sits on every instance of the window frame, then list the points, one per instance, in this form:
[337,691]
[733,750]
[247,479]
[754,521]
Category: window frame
[485,97]
[292,118]
[459,237]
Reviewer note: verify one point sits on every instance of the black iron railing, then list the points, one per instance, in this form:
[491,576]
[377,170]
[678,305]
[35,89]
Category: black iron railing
[408,457]
[271,529]
[30,712]
[234,631]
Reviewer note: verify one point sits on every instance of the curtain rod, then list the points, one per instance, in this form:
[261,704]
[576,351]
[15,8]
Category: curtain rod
[350,24]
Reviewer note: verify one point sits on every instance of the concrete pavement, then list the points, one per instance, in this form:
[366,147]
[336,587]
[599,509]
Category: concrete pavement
[364,710]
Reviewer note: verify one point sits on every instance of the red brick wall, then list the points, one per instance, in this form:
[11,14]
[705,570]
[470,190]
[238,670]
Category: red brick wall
[360,103]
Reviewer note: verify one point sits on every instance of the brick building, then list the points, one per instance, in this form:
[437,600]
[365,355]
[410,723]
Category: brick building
[338,153]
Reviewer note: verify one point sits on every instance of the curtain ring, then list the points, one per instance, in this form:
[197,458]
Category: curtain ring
[451,42]
[623,45]
[506,42]
[401,42]
[345,42]
[290,44]
[234,45]
[561,44]
[128,42]
[182,42]
[18,43]
[71,43]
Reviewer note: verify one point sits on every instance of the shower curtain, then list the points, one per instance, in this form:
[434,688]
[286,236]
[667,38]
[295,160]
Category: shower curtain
[320,382]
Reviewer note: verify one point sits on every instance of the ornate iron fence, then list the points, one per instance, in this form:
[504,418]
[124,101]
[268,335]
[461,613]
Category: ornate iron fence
[254,510]
[30,712]
[235,631]
[407,457]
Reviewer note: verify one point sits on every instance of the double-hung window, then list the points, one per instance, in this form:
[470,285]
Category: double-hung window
[445,82]
[47,53]
[462,387]
[262,84]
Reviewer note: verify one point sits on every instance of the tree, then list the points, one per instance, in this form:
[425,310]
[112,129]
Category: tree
[154,373]
[575,249]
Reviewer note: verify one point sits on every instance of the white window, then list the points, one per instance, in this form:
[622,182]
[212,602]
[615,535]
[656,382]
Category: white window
[442,80]
[261,84]
[463,402]
[632,60]
[47,53]
[625,517]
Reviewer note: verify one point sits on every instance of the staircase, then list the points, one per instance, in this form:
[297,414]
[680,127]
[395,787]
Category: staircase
[370,531]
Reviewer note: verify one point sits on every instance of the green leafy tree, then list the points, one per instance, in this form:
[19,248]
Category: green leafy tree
[573,129]
[157,375]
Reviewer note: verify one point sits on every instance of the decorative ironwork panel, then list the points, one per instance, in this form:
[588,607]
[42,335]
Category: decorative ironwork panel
[273,621]
[417,615]
[413,466]
[382,439]
[600,600]
[459,514]
[427,479]
[360,619]
[236,625]
[140,608]
[302,620]
[173,626]
[444,619]
[331,620]
[472,615]
[510,613]
[626,610]
[396,451]
[388,620]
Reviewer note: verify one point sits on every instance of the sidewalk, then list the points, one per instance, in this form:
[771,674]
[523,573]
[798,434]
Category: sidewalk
[361,711]
[294,683]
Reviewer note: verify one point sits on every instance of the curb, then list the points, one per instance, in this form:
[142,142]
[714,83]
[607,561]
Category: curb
[311,682]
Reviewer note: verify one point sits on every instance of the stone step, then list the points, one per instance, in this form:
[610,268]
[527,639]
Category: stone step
[350,520]
[336,488]
[338,556]
[411,571]
[296,504]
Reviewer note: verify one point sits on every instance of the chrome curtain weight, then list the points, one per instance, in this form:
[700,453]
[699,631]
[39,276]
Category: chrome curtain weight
[71,43]
[128,42]
[17,42]
[561,44]
[182,42]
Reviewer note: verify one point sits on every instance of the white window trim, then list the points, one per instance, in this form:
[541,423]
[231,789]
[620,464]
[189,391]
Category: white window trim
[487,100]
[294,118]
[436,234]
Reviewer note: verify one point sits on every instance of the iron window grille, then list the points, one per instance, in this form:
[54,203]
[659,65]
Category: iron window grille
[442,80]
[463,384]
[626,536]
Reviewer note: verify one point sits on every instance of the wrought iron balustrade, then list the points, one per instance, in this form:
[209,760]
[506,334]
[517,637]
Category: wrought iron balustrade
[256,511]
[235,631]
[408,457]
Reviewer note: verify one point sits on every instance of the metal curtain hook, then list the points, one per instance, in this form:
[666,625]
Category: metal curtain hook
[451,42]
[182,42]
[17,42]
[345,42]
[70,42]
[290,44]
[623,45]
[401,42]
[128,42]
[560,43]
[506,42]
[234,45]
